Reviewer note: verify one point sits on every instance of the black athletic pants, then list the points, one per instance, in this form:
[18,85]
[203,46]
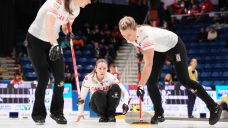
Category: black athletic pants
[190,102]
[104,103]
[224,106]
[38,51]
[178,55]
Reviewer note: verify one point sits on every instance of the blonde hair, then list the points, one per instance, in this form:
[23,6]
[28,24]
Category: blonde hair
[127,22]
[97,62]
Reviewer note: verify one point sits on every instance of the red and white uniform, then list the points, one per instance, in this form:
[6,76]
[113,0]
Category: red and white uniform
[91,83]
[56,9]
[160,40]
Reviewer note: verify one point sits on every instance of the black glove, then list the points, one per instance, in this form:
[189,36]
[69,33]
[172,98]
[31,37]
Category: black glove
[55,52]
[140,92]
[80,101]
[125,108]
[139,56]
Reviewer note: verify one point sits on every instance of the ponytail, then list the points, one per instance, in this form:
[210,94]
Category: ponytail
[67,6]
[127,22]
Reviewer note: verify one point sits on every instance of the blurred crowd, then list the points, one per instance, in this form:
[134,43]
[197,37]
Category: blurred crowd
[192,6]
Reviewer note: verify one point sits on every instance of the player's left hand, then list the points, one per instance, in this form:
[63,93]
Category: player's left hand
[55,52]
[140,92]
[125,108]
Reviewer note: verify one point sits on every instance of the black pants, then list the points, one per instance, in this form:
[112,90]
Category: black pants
[178,55]
[104,103]
[38,51]
[190,102]
[224,106]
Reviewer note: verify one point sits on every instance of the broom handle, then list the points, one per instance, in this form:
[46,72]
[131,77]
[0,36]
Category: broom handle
[74,63]
[140,110]
[139,77]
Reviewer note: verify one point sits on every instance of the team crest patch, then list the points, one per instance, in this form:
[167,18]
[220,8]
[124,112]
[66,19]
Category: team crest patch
[178,58]
[193,91]
[115,95]
[61,84]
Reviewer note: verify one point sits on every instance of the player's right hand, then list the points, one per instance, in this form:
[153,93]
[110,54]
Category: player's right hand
[139,56]
[80,101]
[140,92]
[79,118]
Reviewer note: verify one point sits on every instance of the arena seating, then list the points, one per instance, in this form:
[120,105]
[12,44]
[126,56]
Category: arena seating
[211,55]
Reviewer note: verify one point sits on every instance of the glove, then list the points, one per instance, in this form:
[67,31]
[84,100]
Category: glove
[125,108]
[140,92]
[55,52]
[80,101]
[139,56]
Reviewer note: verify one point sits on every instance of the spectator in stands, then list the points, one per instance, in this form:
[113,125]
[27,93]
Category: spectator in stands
[182,10]
[67,68]
[106,30]
[195,9]
[96,50]
[193,74]
[97,34]
[206,6]
[176,6]
[94,34]
[86,30]
[117,34]
[105,93]
[70,79]
[109,54]
[113,41]
[24,46]
[156,44]
[45,53]
[17,79]
[202,35]
[114,71]
[78,42]
[168,79]
[65,44]
[191,6]
[212,34]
